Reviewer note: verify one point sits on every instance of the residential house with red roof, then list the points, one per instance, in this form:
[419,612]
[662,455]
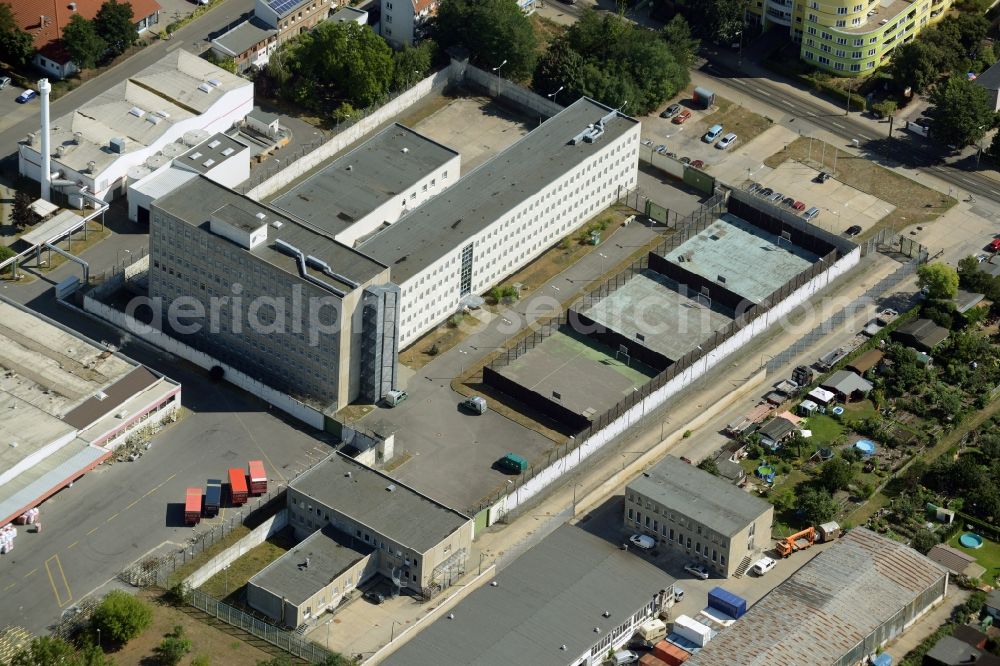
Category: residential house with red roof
[44,20]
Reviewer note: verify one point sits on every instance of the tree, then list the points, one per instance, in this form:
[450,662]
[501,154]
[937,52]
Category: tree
[46,651]
[84,45]
[816,504]
[16,46]
[940,280]
[916,65]
[718,21]
[836,474]
[962,113]
[21,214]
[494,31]
[173,648]
[121,617]
[116,26]
[923,541]
[886,108]
[708,465]
[410,64]
[93,655]
[680,41]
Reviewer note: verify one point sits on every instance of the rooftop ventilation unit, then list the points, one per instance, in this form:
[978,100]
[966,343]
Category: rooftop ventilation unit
[195,156]
[101,395]
[405,150]
[204,87]
[277,224]
[156,120]
[391,487]
[117,145]
[227,152]
[260,215]
[137,112]
[78,138]
[214,144]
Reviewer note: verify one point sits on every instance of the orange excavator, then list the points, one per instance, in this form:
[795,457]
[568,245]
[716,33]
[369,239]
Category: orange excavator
[798,541]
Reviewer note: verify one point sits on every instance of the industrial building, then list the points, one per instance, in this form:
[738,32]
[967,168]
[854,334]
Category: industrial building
[837,610]
[412,267]
[690,511]
[568,601]
[373,185]
[67,403]
[282,302]
[219,157]
[355,522]
[131,123]
[847,37]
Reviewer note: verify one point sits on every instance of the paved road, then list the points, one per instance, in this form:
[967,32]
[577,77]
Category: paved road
[193,37]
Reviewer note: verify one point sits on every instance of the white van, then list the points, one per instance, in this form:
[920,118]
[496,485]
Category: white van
[763,565]
[394,397]
[624,657]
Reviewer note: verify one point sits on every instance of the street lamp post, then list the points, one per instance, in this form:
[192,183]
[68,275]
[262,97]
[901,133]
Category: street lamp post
[464,353]
[552,96]
[497,70]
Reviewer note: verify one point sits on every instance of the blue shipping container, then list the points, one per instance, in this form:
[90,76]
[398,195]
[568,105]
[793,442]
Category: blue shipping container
[727,602]
[213,496]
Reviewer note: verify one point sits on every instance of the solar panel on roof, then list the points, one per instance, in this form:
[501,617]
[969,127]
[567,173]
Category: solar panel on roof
[281,6]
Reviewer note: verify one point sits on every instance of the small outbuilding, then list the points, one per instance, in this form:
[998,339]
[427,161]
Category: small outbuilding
[848,385]
[921,334]
[866,361]
[807,408]
[775,431]
[821,396]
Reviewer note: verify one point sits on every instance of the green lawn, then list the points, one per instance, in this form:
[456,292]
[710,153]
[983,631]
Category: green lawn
[228,582]
[824,428]
[857,411]
[988,556]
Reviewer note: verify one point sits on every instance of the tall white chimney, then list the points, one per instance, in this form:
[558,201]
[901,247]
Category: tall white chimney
[46,177]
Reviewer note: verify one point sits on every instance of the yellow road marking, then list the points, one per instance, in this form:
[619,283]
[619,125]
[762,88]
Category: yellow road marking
[10,586]
[133,504]
[72,545]
[111,518]
[92,531]
[31,573]
[52,581]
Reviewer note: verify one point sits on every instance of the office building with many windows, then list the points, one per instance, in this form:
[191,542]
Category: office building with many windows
[848,37]
[691,511]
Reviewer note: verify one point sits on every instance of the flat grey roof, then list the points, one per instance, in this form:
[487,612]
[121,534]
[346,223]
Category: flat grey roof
[351,187]
[584,372]
[651,305]
[751,260]
[358,491]
[330,554]
[828,606]
[195,201]
[553,595]
[348,14]
[492,189]
[703,497]
[210,153]
[243,37]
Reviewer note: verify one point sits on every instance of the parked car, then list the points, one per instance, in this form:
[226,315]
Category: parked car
[475,404]
[776,197]
[660,148]
[393,398]
[671,111]
[811,214]
[697,570]
[672,155]
[994,245]
[788,201]
[798,205]
[754,187]
[623,657]
[647,142]
[766,192]
[712,134]
[726,141]
[26,96]
[981,258]
[374,597]
[4,82]
[822,177]
[853,230]
[763,565]
[681,117]
[698,164]
[642,541]
[685,160]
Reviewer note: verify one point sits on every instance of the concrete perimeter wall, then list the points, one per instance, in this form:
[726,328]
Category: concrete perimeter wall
[505,89]
[359,130]
[285,403]
[261,533]
[594,443]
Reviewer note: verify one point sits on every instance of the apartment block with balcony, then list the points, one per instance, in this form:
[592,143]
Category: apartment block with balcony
[848,37]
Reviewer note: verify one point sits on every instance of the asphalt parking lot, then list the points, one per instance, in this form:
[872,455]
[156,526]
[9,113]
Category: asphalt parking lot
[11,113]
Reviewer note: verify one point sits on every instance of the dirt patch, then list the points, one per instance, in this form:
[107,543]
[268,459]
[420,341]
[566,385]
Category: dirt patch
[546,31]
[746,124]
[915,203]
[223,644]
[437,342]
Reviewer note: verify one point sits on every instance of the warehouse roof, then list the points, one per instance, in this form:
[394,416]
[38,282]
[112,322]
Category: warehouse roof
[389,165]
[703,497]
[329,553]
[494,189]
[385,505]
[244,36]
[195,201]
[554,595]
[828,606]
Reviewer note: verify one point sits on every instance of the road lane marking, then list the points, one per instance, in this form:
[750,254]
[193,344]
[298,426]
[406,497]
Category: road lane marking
[92,531]
[12,585]
[133,504]
[836,124]
[31,573]
[111,518]
[72,545]
[52,581]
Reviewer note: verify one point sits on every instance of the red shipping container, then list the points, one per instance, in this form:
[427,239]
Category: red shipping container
[258,478]
[237,486]
[652,660]
[192,506]
[670,653]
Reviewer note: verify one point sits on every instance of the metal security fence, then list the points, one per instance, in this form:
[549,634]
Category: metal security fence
[288,641]
[160,570]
